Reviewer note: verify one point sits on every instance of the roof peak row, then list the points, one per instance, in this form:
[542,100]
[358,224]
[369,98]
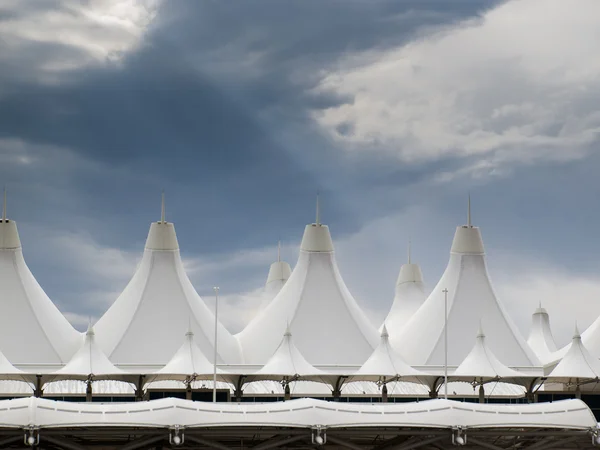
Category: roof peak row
[329,325]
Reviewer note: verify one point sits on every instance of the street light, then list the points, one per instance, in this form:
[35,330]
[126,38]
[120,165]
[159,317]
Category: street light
[216,289]
[445,291]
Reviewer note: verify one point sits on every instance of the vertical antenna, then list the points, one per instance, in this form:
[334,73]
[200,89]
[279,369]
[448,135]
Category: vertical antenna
[279,250]
[318,219]
[4,206]
[162,208]
[469,212]
[409,245]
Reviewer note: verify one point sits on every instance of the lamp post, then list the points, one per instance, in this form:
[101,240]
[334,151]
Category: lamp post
[445,291]
[216,289]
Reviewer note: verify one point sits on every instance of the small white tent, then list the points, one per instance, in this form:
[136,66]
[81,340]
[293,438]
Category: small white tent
[540,338]
[279,272]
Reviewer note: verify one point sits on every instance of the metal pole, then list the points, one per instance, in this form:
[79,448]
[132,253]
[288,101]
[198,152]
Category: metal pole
[216,288]
[445,291]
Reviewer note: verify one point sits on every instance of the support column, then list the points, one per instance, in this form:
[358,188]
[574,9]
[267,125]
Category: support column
[88,391]
[384,394]
[38,391]
[139,389]
[481,394]
[287,395]
[238,391]
[188,391]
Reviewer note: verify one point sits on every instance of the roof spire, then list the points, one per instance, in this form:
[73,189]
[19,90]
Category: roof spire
[4,206]
[480,332]
[577,334]
[162,207]
[279,250]
[409,249]
[318,219]
[469,212]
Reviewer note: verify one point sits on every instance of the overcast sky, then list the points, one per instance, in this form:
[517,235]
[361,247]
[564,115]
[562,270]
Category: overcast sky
[242,111]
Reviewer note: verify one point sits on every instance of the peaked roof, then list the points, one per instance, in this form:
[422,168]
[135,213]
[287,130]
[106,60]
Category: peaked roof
[279,272]
[540,338]
[143,326]
[287,360]
[328,325]
[386,362]
[482,363]
[90,360]
[32,329]
[471,297]
[187,361]
[409,296]
[578,362]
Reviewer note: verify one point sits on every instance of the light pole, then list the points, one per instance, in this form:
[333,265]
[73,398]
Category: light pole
[216,289]
[445,291]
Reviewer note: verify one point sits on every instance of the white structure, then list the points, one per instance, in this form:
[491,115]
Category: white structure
[187,363]
[385,364]
[279,272]
[540,338]
[409,296]
[90,362]
[32,329]
[482,365]
[328,325]
[577,364]
[144,325]
[471,298]
[287,361]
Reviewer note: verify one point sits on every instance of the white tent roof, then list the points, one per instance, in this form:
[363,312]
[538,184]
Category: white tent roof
[279,272]
[578,362]
[32,329]
[471,298]
[590,338]
[328,325]
[143,326]
[187,361]
[481,363]
[540,337]
[287,361]
[90,360]
[301,413]
[385,362]
[409,296]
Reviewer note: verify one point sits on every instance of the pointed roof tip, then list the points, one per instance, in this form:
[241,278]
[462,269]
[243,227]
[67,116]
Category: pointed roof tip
[279,250]
[318,218]
[4,206]
[384,331]
[480,333]
[288,331]
[409,250]
[469,224]
[162,207]
[577,334]
[90,330]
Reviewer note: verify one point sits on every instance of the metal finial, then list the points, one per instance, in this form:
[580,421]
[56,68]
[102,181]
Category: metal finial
[409,250]
[318,219]
[4,206]
[162,207]
[469,212]
[279,250]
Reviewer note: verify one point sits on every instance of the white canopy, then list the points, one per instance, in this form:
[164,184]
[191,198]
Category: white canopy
[482,365]
[187,363]
[470,298]
[385,364]
[540,338]
[279,272]
[143,326]
[302,413]
[90,362]
[287,361]
[32,329]
[328,325]
[409,296]
[578,363]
